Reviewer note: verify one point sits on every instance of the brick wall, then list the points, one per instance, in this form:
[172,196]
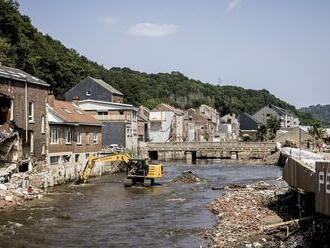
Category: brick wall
[87,140]
[37,94]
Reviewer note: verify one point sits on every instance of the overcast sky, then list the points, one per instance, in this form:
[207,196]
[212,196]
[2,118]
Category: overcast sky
[279,45]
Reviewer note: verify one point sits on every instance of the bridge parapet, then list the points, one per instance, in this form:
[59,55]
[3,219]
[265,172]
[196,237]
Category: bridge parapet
[234,150]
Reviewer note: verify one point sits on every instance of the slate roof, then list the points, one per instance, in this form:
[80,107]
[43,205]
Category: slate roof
[105,85]
[19,75]
[70,113]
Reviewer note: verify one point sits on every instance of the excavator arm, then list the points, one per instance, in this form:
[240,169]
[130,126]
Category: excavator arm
[83,178]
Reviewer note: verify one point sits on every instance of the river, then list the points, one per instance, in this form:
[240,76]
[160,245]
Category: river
[106,214]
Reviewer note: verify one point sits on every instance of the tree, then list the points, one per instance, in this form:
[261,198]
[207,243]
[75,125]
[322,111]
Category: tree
[262,133]
[317,131]
[273,125]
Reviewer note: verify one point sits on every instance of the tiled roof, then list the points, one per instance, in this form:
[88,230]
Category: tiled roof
[70,113]
[19,75]
[169,108]
[105,85]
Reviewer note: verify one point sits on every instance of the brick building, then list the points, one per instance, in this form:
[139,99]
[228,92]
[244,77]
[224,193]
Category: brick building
[73,133]
[23,111]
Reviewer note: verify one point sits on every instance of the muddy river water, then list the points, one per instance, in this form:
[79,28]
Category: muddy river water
[106,214]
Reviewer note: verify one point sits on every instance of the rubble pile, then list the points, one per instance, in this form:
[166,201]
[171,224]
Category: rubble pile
[16,187]
[188,177]
[241,216]
[272,159]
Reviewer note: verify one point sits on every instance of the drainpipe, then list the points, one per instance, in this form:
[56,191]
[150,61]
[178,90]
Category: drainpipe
[26,113]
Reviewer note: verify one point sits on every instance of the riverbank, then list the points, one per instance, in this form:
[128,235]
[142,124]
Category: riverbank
[19,187]
[254,216]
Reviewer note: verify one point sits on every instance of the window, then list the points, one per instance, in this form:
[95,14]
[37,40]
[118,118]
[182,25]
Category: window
[79,138]
[88,93]
[121,112]
[68,136]
[54,160]
[95,138]
[54,135]
[43,149]
[43,124]
[31,112]
[87,155]
[31,143]
[66,158]
[12,109]
[102,113]
[76,158]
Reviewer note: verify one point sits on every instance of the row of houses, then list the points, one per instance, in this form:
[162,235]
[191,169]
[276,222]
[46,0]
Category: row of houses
[34,126]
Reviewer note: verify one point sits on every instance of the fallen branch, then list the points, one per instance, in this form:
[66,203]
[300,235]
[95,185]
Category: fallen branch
[287,223]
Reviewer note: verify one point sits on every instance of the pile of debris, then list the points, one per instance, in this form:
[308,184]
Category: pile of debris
[243,214]
[16,187]
[272,159]
[188,177]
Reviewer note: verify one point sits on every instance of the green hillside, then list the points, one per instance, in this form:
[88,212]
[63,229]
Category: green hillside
[321,112]
[24,47]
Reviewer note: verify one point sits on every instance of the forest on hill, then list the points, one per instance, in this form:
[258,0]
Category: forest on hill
[24,47]
[320,112]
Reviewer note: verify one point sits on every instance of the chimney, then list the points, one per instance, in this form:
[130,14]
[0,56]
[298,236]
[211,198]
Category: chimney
[50,99]
[75,100]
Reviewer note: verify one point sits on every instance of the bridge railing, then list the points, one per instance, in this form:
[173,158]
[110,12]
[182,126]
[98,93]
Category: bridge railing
[228,144]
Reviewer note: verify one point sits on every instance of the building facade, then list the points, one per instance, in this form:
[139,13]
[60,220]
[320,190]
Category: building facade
[229,128]
[119,122]
[74,134]
[23,111]
[286,118]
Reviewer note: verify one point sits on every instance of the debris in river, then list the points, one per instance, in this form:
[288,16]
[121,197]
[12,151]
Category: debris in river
[188,177]
[241,211]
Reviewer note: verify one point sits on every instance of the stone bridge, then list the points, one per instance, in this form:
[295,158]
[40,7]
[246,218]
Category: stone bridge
[222,150]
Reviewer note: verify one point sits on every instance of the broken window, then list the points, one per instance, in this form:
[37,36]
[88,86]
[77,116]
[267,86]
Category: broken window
[5,103]
[76,158]
[66,158]
[31,112]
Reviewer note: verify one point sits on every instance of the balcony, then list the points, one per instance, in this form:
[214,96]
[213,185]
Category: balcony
[122,118]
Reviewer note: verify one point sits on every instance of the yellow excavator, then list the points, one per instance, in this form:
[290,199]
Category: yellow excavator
[137,170]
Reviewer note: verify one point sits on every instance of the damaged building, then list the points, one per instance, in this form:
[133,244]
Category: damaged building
[22,118]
